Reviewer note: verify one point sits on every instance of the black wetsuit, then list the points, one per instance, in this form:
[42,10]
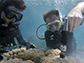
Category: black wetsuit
[8,33]
[54,40]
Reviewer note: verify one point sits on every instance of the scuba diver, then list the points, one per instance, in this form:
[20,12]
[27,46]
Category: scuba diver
[9,24]
[59,33]
[56,35]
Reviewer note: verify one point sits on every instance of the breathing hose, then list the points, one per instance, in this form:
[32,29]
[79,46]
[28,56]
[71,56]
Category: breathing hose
[37,32]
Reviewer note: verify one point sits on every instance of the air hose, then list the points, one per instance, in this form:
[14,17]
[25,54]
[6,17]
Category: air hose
[37,32]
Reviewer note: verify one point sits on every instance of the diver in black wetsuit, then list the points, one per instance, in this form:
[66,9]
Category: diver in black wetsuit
[9,23]
[56,36]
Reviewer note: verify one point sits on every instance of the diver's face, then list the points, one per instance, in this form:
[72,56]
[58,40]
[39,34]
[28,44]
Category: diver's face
[53,23]
[51,18]
[7,20]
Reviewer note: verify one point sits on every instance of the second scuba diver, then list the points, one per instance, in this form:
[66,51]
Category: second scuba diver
[59,32]
[56,36]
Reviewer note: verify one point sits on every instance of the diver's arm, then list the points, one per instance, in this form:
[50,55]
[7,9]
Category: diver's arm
[79,7]
[75,16]
[64,37]
[20,38]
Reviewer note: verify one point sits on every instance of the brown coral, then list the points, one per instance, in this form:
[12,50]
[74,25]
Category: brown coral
[36,56]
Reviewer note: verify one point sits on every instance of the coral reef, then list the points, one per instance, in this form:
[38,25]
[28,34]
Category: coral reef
[37,56]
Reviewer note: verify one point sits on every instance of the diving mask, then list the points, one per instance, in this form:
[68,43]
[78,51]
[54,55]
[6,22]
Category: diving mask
[13,14]
[54,25]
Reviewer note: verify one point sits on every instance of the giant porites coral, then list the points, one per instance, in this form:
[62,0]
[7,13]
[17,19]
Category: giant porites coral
[37,56]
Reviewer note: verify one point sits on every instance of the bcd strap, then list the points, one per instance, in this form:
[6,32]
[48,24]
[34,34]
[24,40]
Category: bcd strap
[57,36]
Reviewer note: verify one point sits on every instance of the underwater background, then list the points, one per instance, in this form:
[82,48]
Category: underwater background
[33,17]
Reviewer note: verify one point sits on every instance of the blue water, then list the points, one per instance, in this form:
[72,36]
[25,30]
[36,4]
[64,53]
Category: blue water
[33,17]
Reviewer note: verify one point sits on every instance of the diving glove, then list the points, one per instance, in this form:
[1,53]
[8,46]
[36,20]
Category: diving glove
[63,50]
[30,45]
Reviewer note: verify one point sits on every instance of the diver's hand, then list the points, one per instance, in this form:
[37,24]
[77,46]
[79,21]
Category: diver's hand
[30,45]
[75,18]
